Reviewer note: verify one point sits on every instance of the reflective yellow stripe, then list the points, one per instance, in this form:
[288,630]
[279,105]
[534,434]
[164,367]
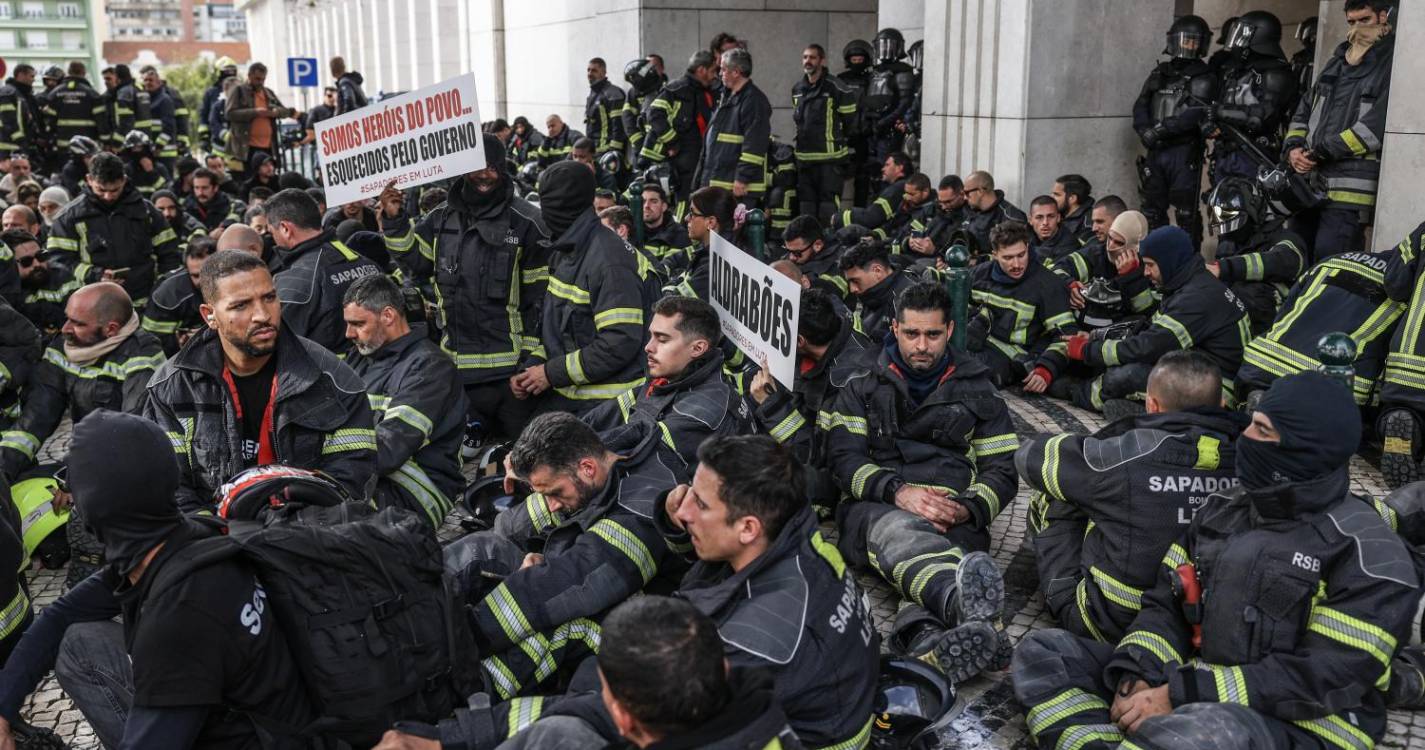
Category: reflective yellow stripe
[1353,142]
[1060,707]
[567,291]
[995,444]
[785,429]
[858,479]
[1154,644]
[1231,684]
[1049,473]
[729,138]
[1356,633]
[829,420]
[1338,732]
[597,391]
[349,439]
[1117,591]
[629,544]
[618,316]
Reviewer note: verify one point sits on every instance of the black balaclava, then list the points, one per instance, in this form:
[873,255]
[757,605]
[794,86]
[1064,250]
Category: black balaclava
[1171,248]
[1319,425]
[566,190]
[124,476]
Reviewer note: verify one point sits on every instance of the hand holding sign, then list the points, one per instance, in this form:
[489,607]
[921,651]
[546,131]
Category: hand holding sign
[757,307]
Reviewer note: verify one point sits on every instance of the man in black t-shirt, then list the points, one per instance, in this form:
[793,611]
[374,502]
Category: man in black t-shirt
[199,657]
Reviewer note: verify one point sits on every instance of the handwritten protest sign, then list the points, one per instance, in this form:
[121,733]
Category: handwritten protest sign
[412,139]
[757,307]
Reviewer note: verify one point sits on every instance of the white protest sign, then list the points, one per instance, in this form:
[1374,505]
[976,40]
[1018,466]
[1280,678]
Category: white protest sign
[412,139]
[758,308]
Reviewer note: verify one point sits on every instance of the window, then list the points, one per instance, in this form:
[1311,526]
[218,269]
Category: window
[7,11]
[71,10]
[71,40]
[7,40]
[37,40]
[32,9]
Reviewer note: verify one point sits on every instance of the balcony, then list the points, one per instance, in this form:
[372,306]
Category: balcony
[44,22]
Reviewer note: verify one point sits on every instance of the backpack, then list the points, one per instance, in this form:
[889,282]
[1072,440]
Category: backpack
[373,628]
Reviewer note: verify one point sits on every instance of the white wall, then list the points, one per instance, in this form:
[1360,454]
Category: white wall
[906,15]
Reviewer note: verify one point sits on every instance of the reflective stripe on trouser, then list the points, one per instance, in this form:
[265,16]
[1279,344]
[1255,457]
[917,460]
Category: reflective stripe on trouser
[519,670]
[915,558]
[1059,678]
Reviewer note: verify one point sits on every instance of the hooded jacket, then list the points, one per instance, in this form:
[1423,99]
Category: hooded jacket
[89,236]
[1137,482]
[797,611]
[488,265]
[349,94]
[321,418]
[314,276]
[415,393]
[958,439]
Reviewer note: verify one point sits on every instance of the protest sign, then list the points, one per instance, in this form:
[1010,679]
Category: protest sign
[412,139]
[757,307]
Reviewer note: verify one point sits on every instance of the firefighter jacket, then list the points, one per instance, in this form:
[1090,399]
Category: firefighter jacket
[698,404]
[824,270]
[1138,481]
[797,611]
[1198,312]
[20,122]
[58,386]
[1306,594]
[310,286]
[1023,319]
[19,355]
[173,307]
[1092,262]
[420,420]
[879,212]
[633,116]
[75,108]
[181,141]
[1343,293]
[591,329]
[979,223]
[1059,246]
[89,236]
[594,559]
[1342,121]
[678,118]
[735,146]
[556,147]
[1262,269]
[161,122]
[44,305]
[123,108]
[876,307]
[823,112]
[321,419]
[959,439]
[1404,381]
[525,148]
[603,120]
[488,266]
[668,245]
[222,211]
[186,228]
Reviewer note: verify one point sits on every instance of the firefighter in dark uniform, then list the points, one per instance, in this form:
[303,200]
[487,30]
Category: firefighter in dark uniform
[172,314]
[1402,393]
[735,148]
[988,208]
[1339,127]
[1168,116]
[665,240]
[895,168]
[1257,256]
[603,109]
[1022,313]
[1198,312]
[923,447]
[857,55]
[558,145]
[74,108]
[1303,63]
[1053,239]
[20,123]
[875,283]
[781,201]
[1273,620]
[819,259]
[890,92]
[1107,505]
[824,110]
[1256,86]
[644,81]
[1346,293]
[678,119]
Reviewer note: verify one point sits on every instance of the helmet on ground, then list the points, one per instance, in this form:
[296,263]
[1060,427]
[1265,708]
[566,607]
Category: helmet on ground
[83,145]
[255,490]
[913,703]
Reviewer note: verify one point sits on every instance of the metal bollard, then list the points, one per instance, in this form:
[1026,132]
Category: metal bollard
[635,205]
[957,283]
[756,222]
[1337,353]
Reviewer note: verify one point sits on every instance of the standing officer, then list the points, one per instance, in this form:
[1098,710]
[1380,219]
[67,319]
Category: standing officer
[824,109]
[890,91]
[735,147]
[678,119]
[857,76]
[1168,117]
[603,109]
[1256,86]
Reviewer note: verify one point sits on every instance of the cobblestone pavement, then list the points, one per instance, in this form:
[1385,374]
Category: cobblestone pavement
[989,718]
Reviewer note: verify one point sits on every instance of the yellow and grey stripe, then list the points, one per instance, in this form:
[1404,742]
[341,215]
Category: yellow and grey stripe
[349,439]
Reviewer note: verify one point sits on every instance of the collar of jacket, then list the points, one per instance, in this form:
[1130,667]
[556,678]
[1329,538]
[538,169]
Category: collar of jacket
[1293,501]
[1382,49]
[576,237]
[710,586]
[961,367]
[884,291]
[460,200]
[296,372]
[833,350]
[129,197]
[1213,418]
[395,349]
[1183,277]
[220,203]
[698,371]
[288,256]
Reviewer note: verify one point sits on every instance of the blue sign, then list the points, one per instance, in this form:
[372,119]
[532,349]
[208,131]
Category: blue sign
[301,72]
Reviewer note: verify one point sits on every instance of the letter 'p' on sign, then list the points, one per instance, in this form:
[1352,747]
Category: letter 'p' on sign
[301,72]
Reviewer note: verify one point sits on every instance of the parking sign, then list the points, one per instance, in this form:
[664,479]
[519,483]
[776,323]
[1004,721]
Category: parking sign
[301,72]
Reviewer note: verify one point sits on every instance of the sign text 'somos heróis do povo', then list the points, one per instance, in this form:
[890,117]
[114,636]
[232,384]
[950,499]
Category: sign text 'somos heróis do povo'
[757,307]
[412,139]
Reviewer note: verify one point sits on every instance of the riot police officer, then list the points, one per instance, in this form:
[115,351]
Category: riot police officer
[1256,86]
[1168,116]
[643,80]
[857,75]
[890,90]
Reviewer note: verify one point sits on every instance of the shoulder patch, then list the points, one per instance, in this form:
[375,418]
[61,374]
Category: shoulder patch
[1104,454]
[770,622]
[1380,552]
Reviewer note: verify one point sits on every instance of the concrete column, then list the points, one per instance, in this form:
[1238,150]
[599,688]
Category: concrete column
[1031,90]
[1403,152]
[906,15]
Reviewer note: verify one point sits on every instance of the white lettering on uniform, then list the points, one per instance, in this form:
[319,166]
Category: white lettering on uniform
[251,616]
[1306,562]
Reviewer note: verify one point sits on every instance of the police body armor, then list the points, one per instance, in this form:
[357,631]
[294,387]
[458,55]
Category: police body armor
[1176,94]
[887,85]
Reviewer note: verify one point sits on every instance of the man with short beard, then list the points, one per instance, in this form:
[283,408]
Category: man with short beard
[210,205]
[249,392]
[46,288]
[415,392]
[184,225]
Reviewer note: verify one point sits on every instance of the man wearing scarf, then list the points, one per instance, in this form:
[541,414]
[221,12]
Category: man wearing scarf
[485,253]
[1339,127]
[1023,312]
[1198,312]
[1273,621]
[922,445]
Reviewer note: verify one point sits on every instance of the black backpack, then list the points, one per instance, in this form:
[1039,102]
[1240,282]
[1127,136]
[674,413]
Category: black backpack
[376,633]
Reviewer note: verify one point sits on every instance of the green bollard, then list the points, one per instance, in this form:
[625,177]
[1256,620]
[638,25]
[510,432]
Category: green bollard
[635,205]
[1337,353]
[756,222]
[957,283]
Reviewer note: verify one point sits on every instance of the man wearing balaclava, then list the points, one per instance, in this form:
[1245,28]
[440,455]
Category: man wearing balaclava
[485,252]
[1198,312]
[1273,621]
[1339,127]
[591,341]
[197,655]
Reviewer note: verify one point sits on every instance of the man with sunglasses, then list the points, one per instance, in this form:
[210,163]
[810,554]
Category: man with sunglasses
[45,288]
[988,209]
[818,259]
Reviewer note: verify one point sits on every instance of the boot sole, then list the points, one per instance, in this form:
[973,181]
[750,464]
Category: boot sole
[1397,459]
[966,651]
[980,586]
